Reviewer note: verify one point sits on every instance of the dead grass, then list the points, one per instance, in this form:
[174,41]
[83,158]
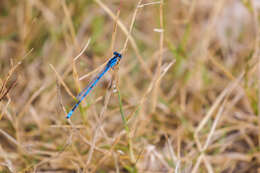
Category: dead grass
[184,98]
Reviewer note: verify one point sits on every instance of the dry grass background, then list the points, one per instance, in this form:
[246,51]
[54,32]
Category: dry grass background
[184,98]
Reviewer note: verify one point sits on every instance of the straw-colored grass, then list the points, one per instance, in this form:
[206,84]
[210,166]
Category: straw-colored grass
[184,98]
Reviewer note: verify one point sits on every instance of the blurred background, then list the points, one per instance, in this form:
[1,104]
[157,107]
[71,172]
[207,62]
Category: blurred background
[184,98]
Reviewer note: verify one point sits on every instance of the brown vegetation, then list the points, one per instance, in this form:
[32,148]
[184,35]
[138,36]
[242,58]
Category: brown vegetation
[184,98]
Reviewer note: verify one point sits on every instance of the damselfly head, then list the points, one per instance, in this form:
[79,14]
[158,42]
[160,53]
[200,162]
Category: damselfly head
[115,59]
[118,55]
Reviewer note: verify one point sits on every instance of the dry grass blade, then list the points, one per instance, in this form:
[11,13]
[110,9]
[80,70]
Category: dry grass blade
[106,155]
[82,51]
[10,138]
[62,82]
[131,28]
[4,93]
[214,107]
[213,128]
[113,40]
[151,3]
[4,89]
[159,62]
[128,35]
[225,93]
[70,23]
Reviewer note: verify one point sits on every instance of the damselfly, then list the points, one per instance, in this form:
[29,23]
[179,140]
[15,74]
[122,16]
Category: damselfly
[111,63]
